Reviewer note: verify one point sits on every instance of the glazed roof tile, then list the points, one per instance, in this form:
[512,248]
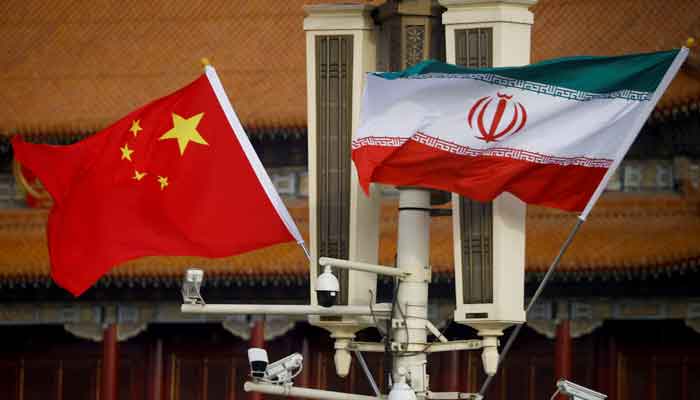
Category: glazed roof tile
[601,27]
[76,67]
[81,66]
[628,234]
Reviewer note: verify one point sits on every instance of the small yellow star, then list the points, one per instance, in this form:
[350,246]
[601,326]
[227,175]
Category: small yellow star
[126,152]
[139,175]
[163,180]
[185,131]
[136,127]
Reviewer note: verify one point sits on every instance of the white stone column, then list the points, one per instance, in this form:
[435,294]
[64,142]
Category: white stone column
[354,20]
[510,22]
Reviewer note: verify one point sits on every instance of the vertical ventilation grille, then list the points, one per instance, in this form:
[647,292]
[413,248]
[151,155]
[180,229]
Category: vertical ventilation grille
[334,123]
[474,50]
[474,47]
[476,224]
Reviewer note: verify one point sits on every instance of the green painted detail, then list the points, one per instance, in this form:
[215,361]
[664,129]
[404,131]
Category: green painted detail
[634,72]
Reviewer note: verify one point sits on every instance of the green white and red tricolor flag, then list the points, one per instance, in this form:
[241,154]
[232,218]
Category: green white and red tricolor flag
[550,133]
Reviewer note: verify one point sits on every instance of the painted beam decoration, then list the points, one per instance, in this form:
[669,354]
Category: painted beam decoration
[549,133]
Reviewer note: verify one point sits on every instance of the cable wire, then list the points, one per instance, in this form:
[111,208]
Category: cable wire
[405,325]
[374,317]
[388,354]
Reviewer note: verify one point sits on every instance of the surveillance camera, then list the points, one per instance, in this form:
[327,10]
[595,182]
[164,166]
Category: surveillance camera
[191,286]
[194,275]
[327,288]
[400,390]
[280,372]
[284,370]
[257,358]
[578,392]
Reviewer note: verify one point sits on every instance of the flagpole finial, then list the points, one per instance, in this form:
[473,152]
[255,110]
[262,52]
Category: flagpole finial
[205,62]
[690,43]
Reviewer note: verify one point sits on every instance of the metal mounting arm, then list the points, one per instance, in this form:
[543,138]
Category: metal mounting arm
[453,395]
[379,310]
[360,266]
[292,391]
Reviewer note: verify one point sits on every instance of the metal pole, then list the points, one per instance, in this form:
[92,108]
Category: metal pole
[360,266]
[533,300]
[380,310]
[368,374]
[412,297]
[283,390]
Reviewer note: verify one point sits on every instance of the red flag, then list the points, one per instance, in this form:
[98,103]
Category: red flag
[175,177]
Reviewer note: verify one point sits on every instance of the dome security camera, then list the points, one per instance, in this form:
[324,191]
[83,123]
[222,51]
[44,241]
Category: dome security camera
[258,360]
[400,390]
[327,288]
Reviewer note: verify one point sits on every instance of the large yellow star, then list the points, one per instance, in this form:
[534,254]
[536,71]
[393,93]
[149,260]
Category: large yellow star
[185,131]
[126,152]
[136,127]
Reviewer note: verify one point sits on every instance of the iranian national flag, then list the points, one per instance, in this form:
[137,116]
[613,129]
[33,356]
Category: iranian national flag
[551,133]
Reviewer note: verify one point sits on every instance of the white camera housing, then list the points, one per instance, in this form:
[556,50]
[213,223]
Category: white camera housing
[400,390]
[258,360]
[191,286]
[280,372]
[578,392]
[327,288]
[194,275]
[284,370]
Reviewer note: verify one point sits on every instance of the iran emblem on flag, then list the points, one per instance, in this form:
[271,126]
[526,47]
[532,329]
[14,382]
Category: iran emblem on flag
[494,130]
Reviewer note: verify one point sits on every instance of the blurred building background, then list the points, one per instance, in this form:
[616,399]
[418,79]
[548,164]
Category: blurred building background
[622,314]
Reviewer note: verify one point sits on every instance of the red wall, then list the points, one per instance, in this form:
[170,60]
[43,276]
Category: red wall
[635,360]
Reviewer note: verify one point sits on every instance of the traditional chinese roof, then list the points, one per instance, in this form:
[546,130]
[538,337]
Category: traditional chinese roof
[76,67]
[625,237]
[71,68]
[602,27]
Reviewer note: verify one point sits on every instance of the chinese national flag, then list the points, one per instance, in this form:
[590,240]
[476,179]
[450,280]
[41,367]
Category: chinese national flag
[175,177]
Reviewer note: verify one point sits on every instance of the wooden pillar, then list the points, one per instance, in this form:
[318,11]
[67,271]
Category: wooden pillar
[110,363]
[562,352]
[614,384]
[451,371]
[465,384]
[304,379]
[257,339]
[155,374]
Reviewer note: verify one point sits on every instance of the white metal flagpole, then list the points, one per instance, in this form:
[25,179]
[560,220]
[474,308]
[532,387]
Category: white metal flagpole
[533,300]
[252,157]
